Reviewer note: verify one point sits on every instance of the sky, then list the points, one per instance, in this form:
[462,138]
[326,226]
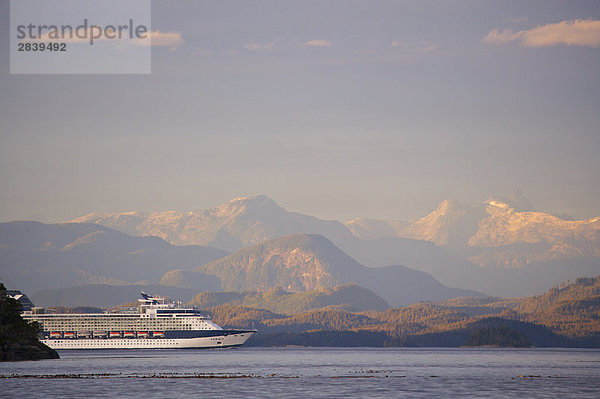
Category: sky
[337,109]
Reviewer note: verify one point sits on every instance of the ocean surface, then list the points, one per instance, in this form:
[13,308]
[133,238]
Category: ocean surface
[308,372]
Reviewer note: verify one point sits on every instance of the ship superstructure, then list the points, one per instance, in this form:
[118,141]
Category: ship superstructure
[154,323]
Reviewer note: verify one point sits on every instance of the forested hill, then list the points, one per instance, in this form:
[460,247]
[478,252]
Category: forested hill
[570,309]
[349,297]
[19,339]
[568,315]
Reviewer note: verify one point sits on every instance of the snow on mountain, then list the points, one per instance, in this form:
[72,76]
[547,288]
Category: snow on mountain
[230,226]
[501,232]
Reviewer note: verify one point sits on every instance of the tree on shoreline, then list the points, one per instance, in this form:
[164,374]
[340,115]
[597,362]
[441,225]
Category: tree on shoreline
[18,338]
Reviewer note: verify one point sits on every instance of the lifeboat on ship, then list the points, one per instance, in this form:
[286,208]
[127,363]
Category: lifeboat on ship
[55,334]
[158,334]
[115,334]
[142,334]
[129,334]
[99,334]
[70,334]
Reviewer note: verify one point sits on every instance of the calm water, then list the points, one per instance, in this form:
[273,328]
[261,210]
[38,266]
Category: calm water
[310,372]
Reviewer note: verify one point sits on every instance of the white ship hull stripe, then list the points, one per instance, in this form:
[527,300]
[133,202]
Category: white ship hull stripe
[128,343]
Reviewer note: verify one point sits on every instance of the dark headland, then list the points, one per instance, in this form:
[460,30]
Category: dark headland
[19,339]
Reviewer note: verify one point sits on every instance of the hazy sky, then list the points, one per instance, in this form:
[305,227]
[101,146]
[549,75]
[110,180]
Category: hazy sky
[336,109]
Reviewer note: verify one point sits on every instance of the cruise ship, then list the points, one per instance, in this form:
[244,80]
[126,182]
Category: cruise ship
[155,323]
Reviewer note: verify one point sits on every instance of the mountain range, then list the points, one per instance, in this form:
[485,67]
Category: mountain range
[305,281]
[495,234]
[236,224]
[498,233]
[501,247]
[36,256]
[304,262]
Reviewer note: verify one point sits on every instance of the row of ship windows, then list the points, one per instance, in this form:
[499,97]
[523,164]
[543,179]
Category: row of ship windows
[132,325]
[103,344]
[128,326]
[123,321]
[110,317]
[112,327]
[121,324]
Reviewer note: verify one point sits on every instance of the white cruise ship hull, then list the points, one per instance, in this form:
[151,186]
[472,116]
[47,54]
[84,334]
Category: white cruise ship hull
[154,324]
[222,341]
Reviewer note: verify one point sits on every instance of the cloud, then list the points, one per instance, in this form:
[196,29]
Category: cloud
[318,43]
[157,38]
[505,36]
[578,32]
[165,39]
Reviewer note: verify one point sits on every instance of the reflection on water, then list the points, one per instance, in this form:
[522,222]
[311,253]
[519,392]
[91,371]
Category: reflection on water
[314,372]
